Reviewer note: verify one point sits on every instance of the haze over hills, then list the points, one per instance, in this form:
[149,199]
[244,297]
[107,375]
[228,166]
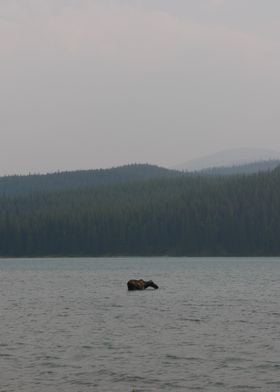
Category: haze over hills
[228,158]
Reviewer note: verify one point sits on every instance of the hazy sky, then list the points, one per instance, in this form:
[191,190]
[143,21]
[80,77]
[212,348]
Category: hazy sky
[99,83]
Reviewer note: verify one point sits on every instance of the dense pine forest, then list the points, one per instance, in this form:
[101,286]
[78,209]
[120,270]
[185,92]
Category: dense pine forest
[248,168]
[192,215]
[81,179]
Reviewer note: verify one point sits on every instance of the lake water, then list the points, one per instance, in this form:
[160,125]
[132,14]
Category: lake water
[71,325]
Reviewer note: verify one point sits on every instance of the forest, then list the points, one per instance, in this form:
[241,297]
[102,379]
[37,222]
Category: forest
[81,179]
[247,168]
[186,215]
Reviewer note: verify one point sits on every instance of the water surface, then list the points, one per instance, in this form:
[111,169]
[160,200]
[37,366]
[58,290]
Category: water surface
[71,325]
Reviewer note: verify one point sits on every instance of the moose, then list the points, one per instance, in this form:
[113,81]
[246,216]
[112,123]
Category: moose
[140,284]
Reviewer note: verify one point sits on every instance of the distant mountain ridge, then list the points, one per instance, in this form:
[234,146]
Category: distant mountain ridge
[81,179]
[229,158]
[250,168]
[85,179]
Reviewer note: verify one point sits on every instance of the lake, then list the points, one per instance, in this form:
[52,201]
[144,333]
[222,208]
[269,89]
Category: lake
[71,325]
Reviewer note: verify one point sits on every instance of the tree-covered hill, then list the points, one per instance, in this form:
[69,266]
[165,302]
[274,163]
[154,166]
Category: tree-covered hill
[16,185]
[249,168]
[191,215]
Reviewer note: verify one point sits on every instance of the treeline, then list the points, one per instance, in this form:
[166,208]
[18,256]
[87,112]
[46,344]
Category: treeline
[248,168]
[81,179]
[189,215]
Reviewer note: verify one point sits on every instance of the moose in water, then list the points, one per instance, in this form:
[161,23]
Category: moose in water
[140,284]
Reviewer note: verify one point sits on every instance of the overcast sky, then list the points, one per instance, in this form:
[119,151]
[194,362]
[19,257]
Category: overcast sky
[100,83]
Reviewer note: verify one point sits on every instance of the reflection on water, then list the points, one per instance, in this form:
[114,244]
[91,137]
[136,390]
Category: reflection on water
[71,325]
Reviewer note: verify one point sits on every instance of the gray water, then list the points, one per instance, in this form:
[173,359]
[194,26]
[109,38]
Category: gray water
[71,325]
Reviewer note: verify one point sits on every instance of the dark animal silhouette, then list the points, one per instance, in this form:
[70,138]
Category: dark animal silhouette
[140,284]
